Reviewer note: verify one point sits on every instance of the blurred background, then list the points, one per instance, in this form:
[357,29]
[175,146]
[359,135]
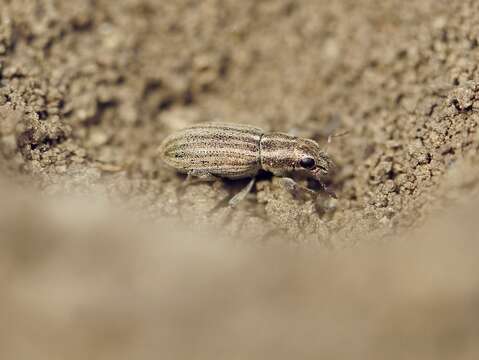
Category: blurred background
[104,255]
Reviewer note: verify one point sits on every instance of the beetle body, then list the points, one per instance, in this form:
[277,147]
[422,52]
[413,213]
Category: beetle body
[233,151]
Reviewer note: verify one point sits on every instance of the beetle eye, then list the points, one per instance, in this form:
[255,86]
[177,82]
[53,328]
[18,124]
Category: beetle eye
[307,163]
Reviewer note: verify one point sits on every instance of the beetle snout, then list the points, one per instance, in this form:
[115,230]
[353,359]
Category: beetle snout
[318,173]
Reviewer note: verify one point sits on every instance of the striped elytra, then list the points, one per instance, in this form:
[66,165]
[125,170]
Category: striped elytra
[223,150]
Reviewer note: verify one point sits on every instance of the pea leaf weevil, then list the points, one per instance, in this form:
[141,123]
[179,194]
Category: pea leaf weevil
[212,150]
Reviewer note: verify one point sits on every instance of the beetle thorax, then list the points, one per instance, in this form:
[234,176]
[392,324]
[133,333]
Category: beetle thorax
[278,153]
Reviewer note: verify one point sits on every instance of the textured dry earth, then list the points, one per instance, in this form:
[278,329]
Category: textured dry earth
[88,90]
[93,88]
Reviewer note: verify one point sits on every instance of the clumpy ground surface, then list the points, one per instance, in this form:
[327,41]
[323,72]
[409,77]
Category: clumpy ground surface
[93,88]
[89,89]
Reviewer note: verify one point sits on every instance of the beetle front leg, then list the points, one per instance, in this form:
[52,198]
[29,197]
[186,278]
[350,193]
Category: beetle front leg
[293,186]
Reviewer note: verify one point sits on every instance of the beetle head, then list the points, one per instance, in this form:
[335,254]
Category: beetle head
[309,158]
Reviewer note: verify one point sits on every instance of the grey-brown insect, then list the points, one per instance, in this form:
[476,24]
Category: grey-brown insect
[217,150]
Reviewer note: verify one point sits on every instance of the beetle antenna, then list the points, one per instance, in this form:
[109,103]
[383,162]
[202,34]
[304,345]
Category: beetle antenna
[331,136]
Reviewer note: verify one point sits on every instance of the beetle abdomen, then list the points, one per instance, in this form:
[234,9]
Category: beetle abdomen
[225,150]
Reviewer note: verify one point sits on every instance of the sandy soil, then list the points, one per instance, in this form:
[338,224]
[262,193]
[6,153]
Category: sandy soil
[93,89]
[91,218]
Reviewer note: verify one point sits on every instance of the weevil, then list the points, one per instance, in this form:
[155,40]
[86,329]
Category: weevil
[219,150]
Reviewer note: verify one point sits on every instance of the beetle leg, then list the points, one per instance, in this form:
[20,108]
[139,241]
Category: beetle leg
[293,186]
[328,191]
[195,176]
[242,194]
